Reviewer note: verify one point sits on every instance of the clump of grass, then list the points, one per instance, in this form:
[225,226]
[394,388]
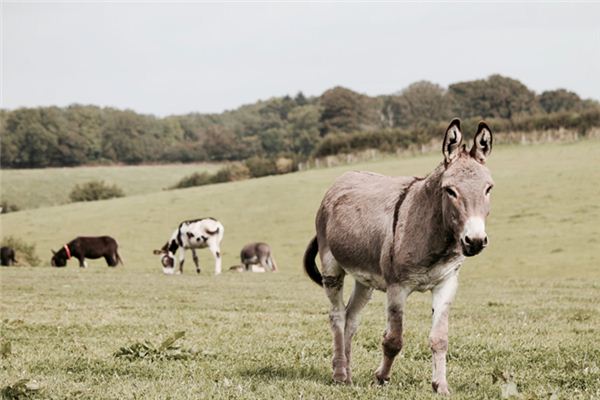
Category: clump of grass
[229,173]
[95,190]
[167,350]
[6,207]
[21,389]
[24,252]
[508,387]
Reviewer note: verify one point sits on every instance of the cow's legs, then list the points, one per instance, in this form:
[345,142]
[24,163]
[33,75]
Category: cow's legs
[443,295]
[216,252]
[392,338]
[111,260]
[196,262]
[333,282]
[358,300]
[181,260]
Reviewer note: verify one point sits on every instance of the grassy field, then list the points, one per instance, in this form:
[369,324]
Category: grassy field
[32,188]
[528,306]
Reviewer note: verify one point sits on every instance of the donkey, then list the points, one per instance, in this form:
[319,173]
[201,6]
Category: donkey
[192,234]
[92,247]
[399,235]
[258,253]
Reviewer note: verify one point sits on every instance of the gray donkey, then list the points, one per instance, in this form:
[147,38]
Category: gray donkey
[399,235]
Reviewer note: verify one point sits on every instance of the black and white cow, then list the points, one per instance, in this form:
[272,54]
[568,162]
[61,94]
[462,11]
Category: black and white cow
[192,234]
[7,256]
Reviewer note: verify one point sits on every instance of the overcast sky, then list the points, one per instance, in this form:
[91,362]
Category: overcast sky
[190,57]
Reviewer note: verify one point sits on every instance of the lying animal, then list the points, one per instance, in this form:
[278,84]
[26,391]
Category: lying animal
[91,247]
[194,234]
[241,268]
[258,253]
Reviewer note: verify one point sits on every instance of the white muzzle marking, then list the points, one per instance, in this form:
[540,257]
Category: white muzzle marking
[474,228]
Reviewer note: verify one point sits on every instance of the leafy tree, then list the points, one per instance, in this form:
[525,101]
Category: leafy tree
[304,129]
[342,110]
[420,104]
[559,100]
[495,97]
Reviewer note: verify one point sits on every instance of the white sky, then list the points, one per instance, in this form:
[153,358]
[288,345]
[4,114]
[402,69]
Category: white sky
[190,57]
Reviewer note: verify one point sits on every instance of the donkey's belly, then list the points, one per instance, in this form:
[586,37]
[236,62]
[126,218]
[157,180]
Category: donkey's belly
[368,278]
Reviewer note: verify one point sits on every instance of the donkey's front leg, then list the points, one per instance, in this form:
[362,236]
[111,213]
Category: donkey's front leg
[443,295]
[392,338]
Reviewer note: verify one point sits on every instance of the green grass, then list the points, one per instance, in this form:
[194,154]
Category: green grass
[32,188]
[528,305]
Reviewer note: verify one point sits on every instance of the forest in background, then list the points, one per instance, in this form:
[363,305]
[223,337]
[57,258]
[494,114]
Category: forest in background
[297,127]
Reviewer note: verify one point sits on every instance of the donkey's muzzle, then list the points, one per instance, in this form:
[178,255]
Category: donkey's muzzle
[473,246]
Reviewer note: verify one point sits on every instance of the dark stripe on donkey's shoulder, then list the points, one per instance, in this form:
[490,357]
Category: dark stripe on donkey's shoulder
[399,202]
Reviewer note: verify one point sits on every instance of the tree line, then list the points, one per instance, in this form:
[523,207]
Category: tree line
[295,127]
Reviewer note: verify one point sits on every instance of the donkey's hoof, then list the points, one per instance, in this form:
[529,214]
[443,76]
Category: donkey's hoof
[381,380]
[340,376]
[441,388]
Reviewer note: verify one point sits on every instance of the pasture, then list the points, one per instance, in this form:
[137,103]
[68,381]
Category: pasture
[528,306]
[32,188]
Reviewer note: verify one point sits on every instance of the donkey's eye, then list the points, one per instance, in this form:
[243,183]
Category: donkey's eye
[488,190]
[451,192]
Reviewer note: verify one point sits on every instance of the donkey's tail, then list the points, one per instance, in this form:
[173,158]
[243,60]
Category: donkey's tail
[309,262]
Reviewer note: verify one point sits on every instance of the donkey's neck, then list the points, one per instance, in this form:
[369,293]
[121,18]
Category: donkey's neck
[433,239]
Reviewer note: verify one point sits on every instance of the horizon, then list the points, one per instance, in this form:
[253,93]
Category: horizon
[157,59]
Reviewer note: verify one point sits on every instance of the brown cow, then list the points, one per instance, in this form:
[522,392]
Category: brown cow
[399,235]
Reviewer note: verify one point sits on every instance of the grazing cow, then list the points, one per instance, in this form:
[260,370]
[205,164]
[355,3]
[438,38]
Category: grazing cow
[7,256]
[91,247]
[193,234]
[258,253]
[399,235]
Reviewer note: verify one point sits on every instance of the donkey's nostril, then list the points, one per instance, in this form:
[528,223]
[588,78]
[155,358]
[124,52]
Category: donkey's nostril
[485,241]
[468,240]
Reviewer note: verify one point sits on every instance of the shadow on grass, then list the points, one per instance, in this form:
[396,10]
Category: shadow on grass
[288,373]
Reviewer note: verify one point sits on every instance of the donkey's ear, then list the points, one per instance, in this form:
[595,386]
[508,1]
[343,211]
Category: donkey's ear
[452,141]
[53,252]
[482,144]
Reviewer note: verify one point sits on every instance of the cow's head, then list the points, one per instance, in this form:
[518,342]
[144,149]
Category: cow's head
[59,258]
[167,260]
[466,187]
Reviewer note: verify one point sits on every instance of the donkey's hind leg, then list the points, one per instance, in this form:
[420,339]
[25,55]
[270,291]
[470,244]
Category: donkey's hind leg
[333,282]
[358,300]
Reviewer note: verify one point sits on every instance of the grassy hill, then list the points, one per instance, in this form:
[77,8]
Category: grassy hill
[527,305]
[32,188]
